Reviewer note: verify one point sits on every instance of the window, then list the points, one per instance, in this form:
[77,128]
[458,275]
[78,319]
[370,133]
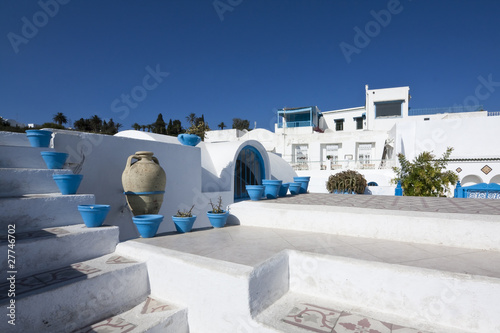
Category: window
[388,109]
[339,124]
[300,153]
[364,153]
[331,152]
[359,123]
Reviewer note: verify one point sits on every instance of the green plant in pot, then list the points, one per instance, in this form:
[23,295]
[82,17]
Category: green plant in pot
[217,216]
[184,220]
[348,181]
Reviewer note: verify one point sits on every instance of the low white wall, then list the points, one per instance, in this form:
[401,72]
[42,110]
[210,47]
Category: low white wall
[105,160]
[469,231]
[421,297]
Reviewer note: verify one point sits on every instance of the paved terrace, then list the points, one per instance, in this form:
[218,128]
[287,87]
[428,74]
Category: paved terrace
[250,246]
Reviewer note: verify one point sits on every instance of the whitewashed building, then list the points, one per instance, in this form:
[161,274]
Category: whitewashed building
[368,139]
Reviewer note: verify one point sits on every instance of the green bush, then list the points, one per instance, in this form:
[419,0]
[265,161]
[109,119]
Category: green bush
[346,181]
[425,176]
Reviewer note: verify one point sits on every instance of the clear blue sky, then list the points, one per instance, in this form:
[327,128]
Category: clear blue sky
[240,58]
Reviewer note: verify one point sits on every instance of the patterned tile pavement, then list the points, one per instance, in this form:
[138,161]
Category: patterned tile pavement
[118,324]
[313,318]
[422,204]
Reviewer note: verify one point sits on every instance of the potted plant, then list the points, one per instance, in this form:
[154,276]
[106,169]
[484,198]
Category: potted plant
[53,159]
[255,192]
[271,187]
[184,220]
[147,224]
[39,138]
[93,215]
[217,215]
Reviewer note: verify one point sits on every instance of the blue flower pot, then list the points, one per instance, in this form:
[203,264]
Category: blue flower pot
[255,191]
[93,215]
[68,184]
[283,189]
[39,138]
[183,224]
[304,183]
[218,220]
[147,224]
[272,188]
[189,139]
[294,188]
[54,160]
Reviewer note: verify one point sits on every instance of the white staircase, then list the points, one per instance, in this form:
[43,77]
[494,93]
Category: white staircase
[56,274]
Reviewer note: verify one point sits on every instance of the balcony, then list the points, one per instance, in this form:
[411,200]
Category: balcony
[342,165]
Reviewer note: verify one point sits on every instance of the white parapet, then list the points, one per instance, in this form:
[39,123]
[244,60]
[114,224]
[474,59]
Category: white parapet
[472,231]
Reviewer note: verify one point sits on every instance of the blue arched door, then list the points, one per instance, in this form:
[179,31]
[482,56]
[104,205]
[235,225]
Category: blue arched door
[249,170]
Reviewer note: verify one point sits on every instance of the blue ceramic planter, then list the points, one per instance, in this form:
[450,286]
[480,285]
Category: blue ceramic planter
[283,189]
[294,188]
[183,224]
[68,184]
[218,220]
[272,188]
[93,215]
[189,139]
[304,183]
[147,224]
[255,191]
[39,138]
[54,160]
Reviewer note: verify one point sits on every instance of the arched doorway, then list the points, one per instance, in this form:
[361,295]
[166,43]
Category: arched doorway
[249,170]
[471,180]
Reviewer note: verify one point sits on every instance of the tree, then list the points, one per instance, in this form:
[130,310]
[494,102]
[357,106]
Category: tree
[191,119]
[82,125]
[96,123]
[159,125]
[199,130]
[174,127]
[221,125]
[60,118]
[241,124]
[425,176]
[136,126]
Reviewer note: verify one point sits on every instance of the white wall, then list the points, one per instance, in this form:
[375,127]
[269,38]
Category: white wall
[384,95]
[105,159]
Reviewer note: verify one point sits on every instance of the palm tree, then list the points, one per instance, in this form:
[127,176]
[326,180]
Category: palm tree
[143,128]
[221,125]
[96,123]
[60,118]
[191,118]
[136,126]
[149,127]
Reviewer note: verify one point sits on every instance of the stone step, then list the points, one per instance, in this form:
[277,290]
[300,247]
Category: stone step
[299,313]
[153,315]
[430,300]
[52,248]
[38,211]
[74,296]
[18,182]
[14,139]
[22,157]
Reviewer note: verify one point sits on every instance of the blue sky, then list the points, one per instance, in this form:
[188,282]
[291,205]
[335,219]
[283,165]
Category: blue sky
[244,59]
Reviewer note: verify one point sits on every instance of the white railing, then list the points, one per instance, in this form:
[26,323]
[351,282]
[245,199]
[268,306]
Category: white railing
[343,165]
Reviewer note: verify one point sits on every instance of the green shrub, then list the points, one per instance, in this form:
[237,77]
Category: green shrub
[346,181]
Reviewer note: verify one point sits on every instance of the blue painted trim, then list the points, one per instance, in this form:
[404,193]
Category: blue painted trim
[482,190]
[143,193]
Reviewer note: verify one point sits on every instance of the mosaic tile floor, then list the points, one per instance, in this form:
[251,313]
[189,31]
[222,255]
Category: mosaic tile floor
[117,324]
[423,204]
[314,318]
[44,279]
